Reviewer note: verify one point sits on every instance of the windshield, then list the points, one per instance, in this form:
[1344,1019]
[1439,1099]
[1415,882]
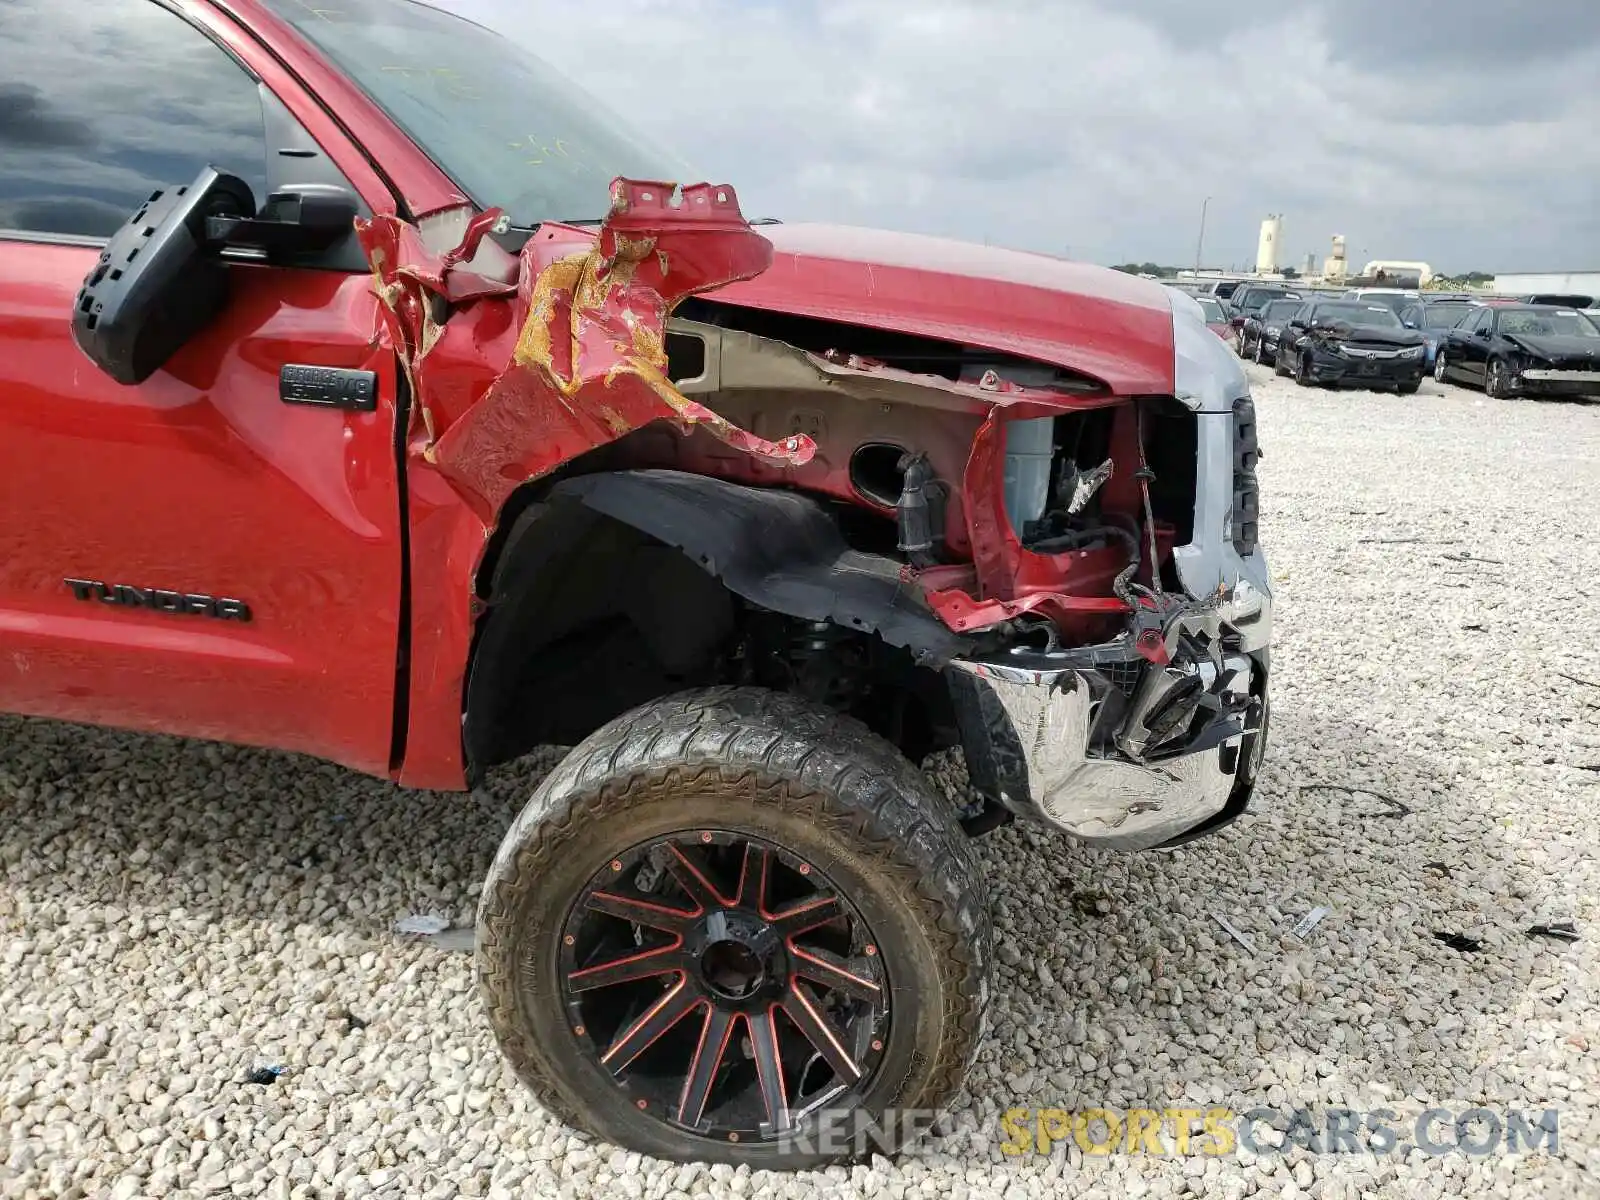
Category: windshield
[505,126]
[1393,301]
[1213,310]
[1280,310]
[1256,300]
[1444,316]
[1535,322]
[1356,314]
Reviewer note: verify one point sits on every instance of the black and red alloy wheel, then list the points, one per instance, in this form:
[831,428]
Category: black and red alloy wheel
[726,986]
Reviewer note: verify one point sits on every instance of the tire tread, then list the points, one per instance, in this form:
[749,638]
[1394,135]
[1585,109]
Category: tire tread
[803,758]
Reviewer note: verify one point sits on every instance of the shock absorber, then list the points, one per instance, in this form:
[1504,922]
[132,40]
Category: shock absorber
[825,663]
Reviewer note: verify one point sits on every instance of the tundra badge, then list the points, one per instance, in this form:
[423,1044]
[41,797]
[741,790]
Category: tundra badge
[160,599]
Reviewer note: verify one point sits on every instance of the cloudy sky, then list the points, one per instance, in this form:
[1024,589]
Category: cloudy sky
[1465,133]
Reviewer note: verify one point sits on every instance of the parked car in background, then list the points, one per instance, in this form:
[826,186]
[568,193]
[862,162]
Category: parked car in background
[1258,337]
[1433,319]
[1251,298]
[1350,342]
[1393,298]
[1559,299]
[1523,350]
[1217,317]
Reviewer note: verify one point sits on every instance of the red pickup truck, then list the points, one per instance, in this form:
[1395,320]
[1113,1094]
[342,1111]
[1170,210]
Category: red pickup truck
[368,394]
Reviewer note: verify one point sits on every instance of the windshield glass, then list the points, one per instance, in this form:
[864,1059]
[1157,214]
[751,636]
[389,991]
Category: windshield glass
[1393,301]
[1256,300]
[1356,313]
[1280,310]
[1444,316]
[1213,310]
[1547,323]
[510,130]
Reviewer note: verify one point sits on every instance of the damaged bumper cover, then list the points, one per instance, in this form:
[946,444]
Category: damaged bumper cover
[1557,381]
[1156,736]
[1361,365]
[1110,748]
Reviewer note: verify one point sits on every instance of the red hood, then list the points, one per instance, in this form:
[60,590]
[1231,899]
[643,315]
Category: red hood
[1104,323]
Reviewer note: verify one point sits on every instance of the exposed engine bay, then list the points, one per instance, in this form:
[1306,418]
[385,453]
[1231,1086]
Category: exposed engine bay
[879,516]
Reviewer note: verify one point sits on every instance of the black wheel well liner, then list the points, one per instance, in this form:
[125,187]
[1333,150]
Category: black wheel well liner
[607,590]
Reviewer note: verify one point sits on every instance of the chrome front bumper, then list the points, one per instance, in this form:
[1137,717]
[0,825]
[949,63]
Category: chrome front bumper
[1110,748]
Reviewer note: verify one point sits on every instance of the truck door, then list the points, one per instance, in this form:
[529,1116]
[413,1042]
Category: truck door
[197,554]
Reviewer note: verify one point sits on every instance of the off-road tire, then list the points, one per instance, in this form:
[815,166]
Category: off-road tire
[1441,369]
[1302,371]
[761,764]
[1260,356]
[1278,368]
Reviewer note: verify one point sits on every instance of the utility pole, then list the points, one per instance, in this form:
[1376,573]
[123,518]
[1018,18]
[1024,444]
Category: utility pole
[1199,246]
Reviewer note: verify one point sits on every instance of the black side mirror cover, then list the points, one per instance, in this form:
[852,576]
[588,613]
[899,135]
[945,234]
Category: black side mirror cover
[158,281]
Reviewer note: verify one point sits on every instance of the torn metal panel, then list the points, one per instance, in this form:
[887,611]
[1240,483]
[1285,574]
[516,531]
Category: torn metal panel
[410,281]
[589,362]
[1011,580]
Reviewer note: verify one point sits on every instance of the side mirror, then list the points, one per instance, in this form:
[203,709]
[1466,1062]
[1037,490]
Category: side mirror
[162,278]
[1483,333]
[157,282]
[1410,324]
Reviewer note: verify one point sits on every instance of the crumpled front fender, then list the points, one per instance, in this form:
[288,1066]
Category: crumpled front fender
[589,361]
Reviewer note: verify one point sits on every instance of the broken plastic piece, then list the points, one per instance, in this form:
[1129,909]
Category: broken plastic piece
[1459,941]
[1309,922]
[1085,484]
[1233,932]
[265,1075]
[1563,931]
[1396,808]
[453,940]
[423,923]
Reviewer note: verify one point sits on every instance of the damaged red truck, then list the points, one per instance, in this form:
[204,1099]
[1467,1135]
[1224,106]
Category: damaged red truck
[426,429]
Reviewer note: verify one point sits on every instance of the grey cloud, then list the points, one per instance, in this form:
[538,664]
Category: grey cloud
[1463,34]
[1392,33]
[27,119]
[63,214]
[1097,128]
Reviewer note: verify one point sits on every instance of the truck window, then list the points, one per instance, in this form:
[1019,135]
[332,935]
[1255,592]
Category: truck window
[510,130]
[102,103]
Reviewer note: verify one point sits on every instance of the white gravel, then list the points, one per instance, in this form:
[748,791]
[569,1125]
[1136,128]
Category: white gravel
[175,915]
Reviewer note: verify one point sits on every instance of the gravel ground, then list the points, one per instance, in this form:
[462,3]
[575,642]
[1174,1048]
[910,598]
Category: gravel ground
[176,915]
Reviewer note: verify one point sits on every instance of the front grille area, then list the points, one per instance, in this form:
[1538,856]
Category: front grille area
[1124,676]
[1246,490]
